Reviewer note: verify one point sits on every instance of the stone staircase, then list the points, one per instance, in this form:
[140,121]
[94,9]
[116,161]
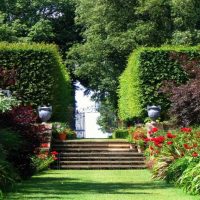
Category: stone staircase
[97,155]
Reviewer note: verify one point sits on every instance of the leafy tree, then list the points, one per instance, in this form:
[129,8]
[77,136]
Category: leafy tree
[39,21]
[108,118]
[111,30]
[186,22]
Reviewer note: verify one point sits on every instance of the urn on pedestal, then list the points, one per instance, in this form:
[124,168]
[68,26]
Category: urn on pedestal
[153,112]
[45,113]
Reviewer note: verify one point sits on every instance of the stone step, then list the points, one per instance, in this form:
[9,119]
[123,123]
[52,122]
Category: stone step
[102,154]
[102,158]
[97,155]
[67,145]
[61,149]
[100,167]
[89,142]
[100,162]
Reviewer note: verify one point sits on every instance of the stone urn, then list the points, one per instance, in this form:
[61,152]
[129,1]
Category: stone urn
[45,113]
[153,112]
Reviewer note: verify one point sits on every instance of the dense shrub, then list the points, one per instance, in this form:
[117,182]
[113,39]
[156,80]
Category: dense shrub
[147,72]
[36,75]
[120,133]
[10,143]
[185,104]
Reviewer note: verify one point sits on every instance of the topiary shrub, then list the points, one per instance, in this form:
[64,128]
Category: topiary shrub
[36,75]
[120,133]
[147,72]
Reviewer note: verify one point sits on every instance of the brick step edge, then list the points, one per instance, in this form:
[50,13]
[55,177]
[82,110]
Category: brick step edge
[88,142]
[101,158]
[102,154]
[101,163]
[100,167]
[93,149]
[92,145]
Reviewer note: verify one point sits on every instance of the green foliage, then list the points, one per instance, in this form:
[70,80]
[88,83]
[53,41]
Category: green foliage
[39,21]
[60,127]
[141,82]
[41,76]
[161,166]
[130,92]
[176,169]
[7,176]
[6,103]
[9,140]
[108,117]
[41,162]
[120,133]
[190,179]
[9,143]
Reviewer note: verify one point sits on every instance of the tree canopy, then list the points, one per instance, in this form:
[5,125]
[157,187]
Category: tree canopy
[112,29]
[47,21]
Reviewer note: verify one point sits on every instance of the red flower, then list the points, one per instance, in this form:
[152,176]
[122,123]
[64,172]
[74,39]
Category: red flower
[158,144]
[154,129]
[186,146]
[150,132]
[186,130]
[44,145]
[147,139]
[195,145]
[170,135]
[169,142]
[159,139]
[151,148]
[157,151]
[54,153]
[195,154]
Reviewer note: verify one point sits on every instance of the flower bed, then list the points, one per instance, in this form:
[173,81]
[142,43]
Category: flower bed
[174,156]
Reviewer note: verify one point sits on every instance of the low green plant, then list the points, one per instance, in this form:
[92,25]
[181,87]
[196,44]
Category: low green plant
[7,175]
[161,166]
[190,179]
[60,127]
[176,169]
[10,142]
[1,194]
[71,134]
[43,160]
[7,103]
[120,133]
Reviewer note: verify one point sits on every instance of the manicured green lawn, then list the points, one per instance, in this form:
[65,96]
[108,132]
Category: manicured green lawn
[97,185]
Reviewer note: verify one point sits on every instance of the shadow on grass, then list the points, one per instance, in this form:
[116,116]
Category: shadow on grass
[39,187]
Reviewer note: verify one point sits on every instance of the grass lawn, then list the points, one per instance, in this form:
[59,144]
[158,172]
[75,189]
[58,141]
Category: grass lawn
[97,185]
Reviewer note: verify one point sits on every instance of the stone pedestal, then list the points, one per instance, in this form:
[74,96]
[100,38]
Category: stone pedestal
[45,136]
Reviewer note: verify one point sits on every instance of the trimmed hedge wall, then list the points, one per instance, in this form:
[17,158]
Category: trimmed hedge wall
[141,81]
[120,133]
[41,77]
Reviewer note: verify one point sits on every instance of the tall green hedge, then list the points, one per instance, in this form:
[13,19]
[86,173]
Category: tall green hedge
[141,81]
[41,77]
